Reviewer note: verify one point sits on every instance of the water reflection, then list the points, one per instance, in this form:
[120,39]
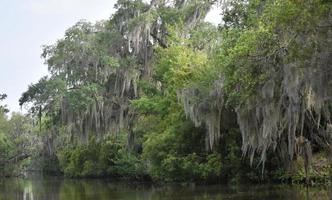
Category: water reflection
[28,194]
[60,189]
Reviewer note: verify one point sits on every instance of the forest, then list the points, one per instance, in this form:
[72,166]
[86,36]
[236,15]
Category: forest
[156,93]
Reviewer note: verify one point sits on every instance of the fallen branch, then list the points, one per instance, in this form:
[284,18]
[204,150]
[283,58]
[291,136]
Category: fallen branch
[15,159]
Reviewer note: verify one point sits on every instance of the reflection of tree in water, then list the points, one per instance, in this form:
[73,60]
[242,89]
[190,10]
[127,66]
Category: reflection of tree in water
[13,189]
[46,188]
[27,193]
[35,189]
[59,189]
[101,189]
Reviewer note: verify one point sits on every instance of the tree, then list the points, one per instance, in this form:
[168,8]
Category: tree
[3,108]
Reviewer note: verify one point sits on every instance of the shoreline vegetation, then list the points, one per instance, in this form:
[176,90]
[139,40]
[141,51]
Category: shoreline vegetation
[156,93]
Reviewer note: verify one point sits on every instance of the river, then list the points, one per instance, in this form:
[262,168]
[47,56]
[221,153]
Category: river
[95,189]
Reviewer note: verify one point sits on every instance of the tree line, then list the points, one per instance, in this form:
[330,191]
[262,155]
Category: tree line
[156,92]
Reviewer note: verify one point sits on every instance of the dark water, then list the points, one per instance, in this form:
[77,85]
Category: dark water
[59,189]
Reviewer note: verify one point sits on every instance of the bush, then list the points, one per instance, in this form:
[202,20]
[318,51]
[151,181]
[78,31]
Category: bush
[100,158]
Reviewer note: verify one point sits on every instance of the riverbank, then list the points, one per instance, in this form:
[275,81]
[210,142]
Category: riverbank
[319,172]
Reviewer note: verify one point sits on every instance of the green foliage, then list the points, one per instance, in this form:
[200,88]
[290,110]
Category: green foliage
[319,172]
[6,147]
[16,145]
[188,168]
[3,108]
[100,158]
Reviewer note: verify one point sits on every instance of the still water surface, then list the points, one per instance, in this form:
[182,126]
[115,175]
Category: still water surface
[64,189]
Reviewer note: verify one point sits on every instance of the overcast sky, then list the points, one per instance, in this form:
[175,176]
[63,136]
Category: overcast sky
[26,25]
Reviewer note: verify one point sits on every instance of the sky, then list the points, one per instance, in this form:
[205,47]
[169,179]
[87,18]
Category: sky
[27,25]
